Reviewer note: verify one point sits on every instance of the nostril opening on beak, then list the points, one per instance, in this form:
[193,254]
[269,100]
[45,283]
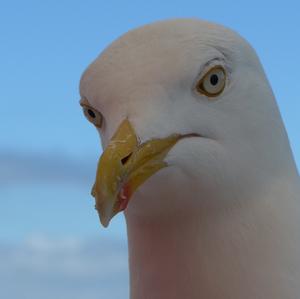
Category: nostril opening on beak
[125,159]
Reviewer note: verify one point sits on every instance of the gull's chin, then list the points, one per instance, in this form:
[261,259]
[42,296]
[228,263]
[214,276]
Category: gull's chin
[156,200]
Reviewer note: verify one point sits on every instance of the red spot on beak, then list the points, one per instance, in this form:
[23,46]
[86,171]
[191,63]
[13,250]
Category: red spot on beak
[123,197]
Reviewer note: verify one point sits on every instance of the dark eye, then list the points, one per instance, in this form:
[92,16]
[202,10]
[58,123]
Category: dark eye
[213,82]
[92,115]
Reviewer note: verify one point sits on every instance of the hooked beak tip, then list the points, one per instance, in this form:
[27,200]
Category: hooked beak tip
[105,212]
[105,221]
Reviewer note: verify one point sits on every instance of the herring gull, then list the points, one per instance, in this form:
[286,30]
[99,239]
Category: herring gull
[196,154]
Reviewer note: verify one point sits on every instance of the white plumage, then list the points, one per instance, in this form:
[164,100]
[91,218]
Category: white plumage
[222,220]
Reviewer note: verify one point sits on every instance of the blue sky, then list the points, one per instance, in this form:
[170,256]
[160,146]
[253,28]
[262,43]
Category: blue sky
[48,151]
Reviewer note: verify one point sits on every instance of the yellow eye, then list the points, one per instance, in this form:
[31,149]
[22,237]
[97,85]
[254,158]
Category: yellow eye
[93,115]
[213,82]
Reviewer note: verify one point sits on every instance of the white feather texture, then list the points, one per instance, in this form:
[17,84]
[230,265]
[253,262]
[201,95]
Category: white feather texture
[223,220]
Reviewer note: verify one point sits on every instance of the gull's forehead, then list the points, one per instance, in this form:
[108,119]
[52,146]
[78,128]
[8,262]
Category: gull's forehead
[155,54]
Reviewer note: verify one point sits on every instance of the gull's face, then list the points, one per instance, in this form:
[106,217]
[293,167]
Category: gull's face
[162,102]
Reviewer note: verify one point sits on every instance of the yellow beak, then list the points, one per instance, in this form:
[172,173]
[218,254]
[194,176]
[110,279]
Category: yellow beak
[124,166]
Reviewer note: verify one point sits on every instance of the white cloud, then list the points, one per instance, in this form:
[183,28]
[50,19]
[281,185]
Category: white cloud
[69,268]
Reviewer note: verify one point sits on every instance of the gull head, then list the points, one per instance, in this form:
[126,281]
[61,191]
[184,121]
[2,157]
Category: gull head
[186,118]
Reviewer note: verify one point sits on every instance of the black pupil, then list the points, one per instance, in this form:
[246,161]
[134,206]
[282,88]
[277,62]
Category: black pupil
[214,79]
[91,113]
